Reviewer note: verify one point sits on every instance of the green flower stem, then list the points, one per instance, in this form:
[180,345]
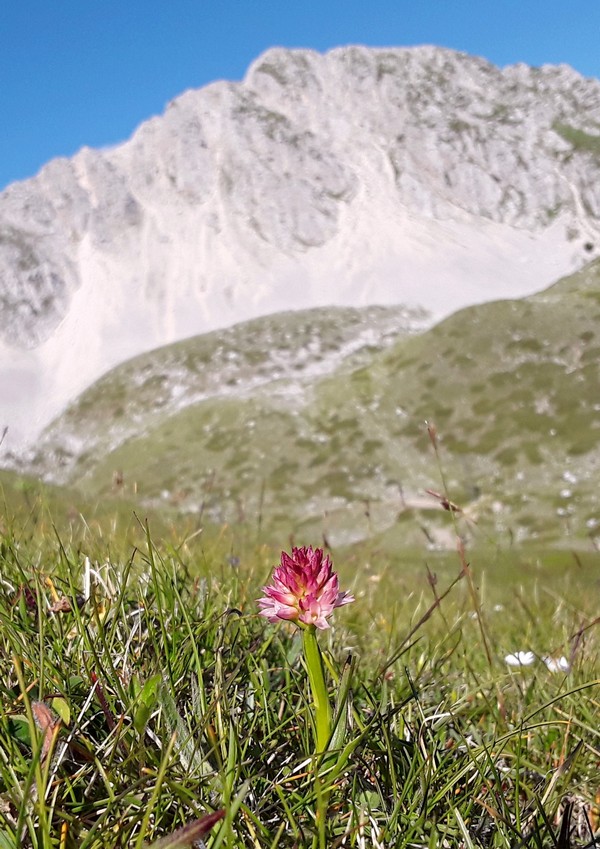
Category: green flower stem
[316,677]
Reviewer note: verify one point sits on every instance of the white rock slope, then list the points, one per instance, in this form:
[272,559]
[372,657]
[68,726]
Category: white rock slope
[418,176]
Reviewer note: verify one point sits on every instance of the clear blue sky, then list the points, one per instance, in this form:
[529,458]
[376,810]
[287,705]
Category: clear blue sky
[87,72]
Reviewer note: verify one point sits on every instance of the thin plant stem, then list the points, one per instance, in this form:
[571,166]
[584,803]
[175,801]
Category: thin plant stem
[316,677]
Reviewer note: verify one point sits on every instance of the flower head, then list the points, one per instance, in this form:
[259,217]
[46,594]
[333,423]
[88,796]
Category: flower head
[304,589]
[520,658]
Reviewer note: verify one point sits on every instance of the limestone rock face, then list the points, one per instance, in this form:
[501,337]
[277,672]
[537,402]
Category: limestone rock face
[416,176]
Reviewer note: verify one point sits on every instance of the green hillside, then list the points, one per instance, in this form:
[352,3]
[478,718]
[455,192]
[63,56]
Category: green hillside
[512,387]
[283,349]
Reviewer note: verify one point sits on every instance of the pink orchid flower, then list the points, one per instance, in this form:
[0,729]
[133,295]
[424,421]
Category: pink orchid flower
[304,589]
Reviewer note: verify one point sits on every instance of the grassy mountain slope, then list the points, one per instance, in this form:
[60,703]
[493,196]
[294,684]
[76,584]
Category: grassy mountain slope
[513,388]
[287,348]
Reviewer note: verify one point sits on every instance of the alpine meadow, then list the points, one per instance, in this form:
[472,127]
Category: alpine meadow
[300,521]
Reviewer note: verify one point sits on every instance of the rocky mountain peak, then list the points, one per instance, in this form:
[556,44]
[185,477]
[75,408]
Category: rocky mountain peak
[417,176]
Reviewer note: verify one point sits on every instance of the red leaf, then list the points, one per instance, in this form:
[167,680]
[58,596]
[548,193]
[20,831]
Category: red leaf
[190,833]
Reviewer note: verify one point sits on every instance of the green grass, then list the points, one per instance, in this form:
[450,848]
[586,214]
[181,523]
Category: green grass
[140,690]
[175,699]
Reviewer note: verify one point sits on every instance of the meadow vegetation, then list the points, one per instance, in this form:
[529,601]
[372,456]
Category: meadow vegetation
[141,690]
[330,422]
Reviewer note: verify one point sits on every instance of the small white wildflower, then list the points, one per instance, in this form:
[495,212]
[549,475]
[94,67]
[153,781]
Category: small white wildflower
[557,664]
[520,658]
